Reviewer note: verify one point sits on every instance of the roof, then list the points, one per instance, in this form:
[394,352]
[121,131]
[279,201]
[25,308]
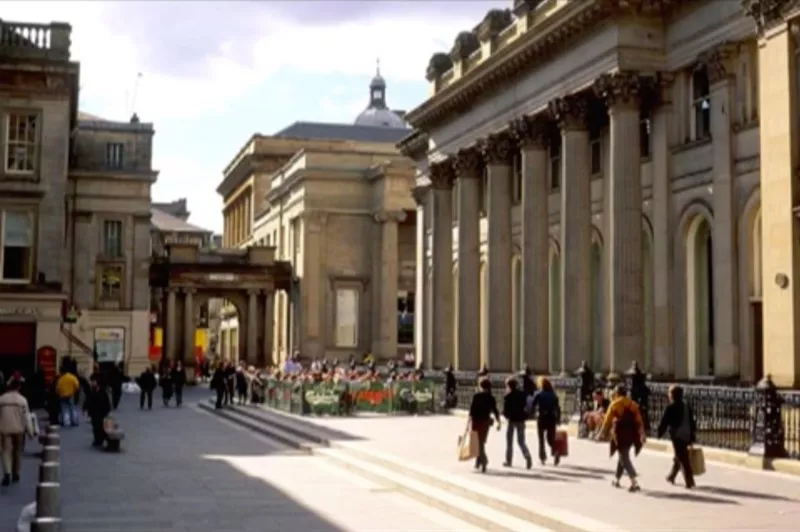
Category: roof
[322,130]
[177,208]
[170,224]
[90,117]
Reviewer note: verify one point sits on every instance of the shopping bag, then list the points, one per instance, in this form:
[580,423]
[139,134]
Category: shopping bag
[697,460]
[33,425]
[561,443]
[468,446]
[131,387]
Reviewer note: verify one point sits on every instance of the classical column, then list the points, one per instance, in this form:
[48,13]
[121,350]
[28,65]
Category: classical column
[312,290]
[661,126]
[532,135]
[420,309]
[576,231]
[188,326]
[172,335]
[269,328]
[252,326]
[625,304]
[389,272]
[441,175]
[469,168]
[719,65]
[498,150]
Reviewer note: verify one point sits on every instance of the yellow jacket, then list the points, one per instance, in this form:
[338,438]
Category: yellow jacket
[67,386]
[618,407]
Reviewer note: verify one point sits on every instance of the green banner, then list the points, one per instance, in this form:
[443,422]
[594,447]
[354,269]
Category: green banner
[325,398]
[371,397]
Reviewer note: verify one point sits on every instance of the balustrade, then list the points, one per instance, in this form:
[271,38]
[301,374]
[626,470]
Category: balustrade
[51,41]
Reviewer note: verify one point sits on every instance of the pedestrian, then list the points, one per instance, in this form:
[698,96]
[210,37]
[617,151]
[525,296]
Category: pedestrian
[241,385]
[230,382]
[67,387]
[178,376]
[481,409]
[514,410]
[147,384]
[450,386]
[679,419]
[97,407]
[546,406]
[528,384]
[15,422]
[165,381]
[116,375]
[218,385]
[624,422]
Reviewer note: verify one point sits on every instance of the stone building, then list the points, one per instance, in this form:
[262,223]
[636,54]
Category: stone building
[335,201]
[75,202]
[590,177]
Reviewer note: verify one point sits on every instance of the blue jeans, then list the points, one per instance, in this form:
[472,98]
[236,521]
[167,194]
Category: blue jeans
[69,414]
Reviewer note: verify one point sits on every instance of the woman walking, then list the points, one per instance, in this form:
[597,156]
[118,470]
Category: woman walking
[178,376]
[679,419]
[481,409]
[545,403]
[514,411]
[165,381]
[627,431]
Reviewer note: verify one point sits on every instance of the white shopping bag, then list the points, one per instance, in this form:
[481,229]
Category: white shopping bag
[130,387]
[26,517]
[33,422]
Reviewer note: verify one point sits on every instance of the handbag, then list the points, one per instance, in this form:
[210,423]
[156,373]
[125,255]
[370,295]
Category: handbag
[468,444]
[697,460]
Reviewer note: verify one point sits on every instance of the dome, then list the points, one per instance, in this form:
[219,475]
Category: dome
[379,118]
[377,113]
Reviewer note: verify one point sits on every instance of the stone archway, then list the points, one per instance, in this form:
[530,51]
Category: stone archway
[248,279]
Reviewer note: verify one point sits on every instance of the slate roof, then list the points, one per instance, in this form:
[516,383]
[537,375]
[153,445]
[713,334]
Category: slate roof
[322,130]
[167,223]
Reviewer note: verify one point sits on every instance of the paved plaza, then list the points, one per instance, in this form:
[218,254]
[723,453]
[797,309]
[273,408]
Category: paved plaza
[183,470]
[727,497]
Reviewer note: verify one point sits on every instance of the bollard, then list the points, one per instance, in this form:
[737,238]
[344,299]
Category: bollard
[46,524]
[48,499]
[52,428]
[53,439]
[51,453]
[50,472]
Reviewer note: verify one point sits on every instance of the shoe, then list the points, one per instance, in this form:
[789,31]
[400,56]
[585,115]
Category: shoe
[528,463]
[634,488]
[506,464]
[690,486]
[483,467]
[557,460]
[14,478]
[671,480]
[615,483]
[543,460]
[6,481]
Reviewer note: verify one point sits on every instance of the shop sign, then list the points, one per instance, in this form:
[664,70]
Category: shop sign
[109,344]
[19,311]
[46,360]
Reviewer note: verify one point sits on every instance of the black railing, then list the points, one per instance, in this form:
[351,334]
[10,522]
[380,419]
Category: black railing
[760,420]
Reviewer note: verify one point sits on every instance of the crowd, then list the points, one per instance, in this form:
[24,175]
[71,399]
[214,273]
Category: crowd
[617,421]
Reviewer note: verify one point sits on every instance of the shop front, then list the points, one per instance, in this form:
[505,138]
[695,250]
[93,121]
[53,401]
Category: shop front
[27,323]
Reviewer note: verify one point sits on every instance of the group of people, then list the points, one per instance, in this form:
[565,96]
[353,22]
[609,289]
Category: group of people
[618,421]
[169,376]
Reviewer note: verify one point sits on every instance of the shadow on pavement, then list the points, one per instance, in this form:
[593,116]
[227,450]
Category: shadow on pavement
[687,496]
[728,492]
[601,472]
[177,472]
[529,476]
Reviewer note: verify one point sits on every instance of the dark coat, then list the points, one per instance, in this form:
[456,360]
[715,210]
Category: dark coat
[98,404]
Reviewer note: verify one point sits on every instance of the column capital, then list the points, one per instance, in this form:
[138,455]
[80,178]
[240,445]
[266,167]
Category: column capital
[315,217]
[389,216]
[189,290]
[442,174]
[253,292]
[662,84]
[531,131]
[420,193]
[768,14]
[570,112]
[469,162]
[718,63]
[619,89]
[497,148]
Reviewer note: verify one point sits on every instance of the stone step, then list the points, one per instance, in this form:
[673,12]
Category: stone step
[451,494]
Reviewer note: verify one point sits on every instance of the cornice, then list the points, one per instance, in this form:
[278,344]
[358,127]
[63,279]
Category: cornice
[536,46]
[768,14]
[415,145]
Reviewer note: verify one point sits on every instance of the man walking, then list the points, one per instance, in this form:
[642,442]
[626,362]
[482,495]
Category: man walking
[14,422]
[67,386]
[147,384]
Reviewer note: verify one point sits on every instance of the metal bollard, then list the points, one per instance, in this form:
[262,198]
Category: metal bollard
[52,428]
[46,524]
[51,453]
[53,439]
[50,472]
[48,499]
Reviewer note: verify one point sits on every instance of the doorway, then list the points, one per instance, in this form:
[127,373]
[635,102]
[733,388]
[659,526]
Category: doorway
[17,348]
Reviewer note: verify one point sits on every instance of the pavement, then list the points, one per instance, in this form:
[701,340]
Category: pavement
[13,498]
[727,497]
[185,470]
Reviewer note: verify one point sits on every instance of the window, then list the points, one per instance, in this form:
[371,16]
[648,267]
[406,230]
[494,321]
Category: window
[516,191]
[644,135]
[700,116]
[596,151]
[347,317]
[405,318]
[555,163]
[21,133]
[16,254]
[377,94]
[112,238]
[111,283]
[114,154]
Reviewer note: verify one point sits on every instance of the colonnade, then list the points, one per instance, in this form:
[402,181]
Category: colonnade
[238,220]
[530,137]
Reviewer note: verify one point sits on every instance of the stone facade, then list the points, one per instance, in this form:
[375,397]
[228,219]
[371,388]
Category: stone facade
[341,213]
[75,195]
[590,179]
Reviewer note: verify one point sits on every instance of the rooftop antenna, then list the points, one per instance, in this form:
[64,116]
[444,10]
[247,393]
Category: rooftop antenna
[135,92]
[378,65]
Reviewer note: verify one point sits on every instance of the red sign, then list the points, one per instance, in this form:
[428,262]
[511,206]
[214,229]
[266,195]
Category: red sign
[46,361]
[154,354]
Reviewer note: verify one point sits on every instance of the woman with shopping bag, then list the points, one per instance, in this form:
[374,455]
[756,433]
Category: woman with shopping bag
[679,420]
[481,409]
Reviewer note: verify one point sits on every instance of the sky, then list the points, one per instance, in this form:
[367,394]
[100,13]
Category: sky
[213,73]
